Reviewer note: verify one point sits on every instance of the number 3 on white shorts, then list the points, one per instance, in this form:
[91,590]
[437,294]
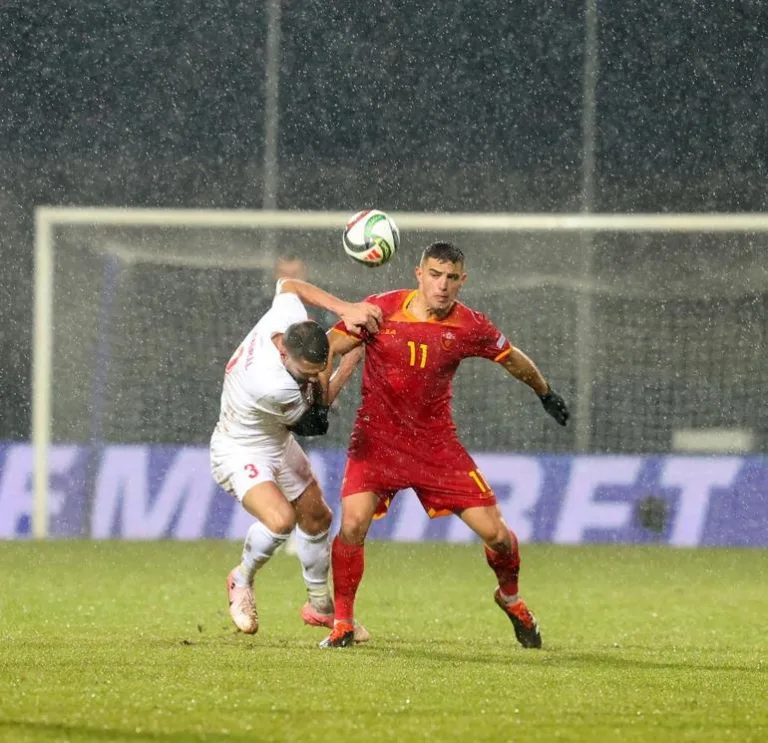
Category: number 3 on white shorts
[253,473]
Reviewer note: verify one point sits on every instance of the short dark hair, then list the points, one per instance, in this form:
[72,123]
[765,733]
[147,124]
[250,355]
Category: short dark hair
[307,341]
[443,251]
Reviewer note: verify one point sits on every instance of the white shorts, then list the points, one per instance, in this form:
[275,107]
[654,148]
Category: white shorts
[238,468]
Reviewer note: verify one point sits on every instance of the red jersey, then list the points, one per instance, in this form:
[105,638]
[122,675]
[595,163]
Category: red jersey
[410,365]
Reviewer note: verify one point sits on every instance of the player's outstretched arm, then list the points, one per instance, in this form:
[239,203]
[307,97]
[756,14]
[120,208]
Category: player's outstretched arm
[355,315]
[344,371]
[522,367]
[351,351]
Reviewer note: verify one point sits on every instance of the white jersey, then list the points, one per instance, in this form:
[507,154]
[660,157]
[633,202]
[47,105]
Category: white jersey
[260,398]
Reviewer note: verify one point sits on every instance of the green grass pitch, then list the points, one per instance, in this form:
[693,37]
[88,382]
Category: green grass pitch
[131,641]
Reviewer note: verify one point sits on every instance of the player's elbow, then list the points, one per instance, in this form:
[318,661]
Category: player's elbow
[353,356]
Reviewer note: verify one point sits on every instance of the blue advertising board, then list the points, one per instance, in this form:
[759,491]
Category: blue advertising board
[159,492]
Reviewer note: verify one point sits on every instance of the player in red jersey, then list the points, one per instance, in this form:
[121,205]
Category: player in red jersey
[404,435]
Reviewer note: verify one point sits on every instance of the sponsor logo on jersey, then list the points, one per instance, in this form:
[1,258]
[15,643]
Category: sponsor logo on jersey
[447,340]
[500,343]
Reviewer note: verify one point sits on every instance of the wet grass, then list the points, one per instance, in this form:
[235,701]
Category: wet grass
[131,641]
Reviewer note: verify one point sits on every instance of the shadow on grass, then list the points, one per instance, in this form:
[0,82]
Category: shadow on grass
[611,659]
[487,652]
[26,730]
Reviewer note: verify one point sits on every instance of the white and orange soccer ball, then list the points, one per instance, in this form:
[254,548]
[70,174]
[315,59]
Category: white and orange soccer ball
[371,237]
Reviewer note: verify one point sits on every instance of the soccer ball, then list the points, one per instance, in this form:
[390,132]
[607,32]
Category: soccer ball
[371,238]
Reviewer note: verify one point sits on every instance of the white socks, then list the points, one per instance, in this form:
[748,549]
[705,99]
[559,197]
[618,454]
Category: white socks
[260,545]
[314,553]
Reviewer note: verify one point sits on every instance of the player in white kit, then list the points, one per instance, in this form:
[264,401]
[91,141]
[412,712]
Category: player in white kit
[271,388]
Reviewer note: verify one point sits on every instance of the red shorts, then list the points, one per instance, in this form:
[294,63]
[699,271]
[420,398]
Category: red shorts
[446,479]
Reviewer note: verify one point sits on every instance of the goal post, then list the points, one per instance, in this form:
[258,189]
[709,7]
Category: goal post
[551,261]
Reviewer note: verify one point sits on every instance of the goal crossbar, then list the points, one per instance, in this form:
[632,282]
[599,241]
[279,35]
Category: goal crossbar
[461,221]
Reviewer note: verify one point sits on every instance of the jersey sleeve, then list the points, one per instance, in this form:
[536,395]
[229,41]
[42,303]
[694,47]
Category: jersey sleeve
[286,310]
[488,342]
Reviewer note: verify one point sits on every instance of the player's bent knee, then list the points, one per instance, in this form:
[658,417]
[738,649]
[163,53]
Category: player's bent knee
[501,541]
[498,538]
[357,512]
[316,522]
[324,522]
[354,530]
[279,523]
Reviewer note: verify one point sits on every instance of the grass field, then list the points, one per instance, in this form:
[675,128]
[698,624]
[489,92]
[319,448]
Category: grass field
[131,641]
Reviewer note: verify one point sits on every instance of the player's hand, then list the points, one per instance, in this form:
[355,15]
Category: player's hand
[362,315]
[313,423]
[555,406]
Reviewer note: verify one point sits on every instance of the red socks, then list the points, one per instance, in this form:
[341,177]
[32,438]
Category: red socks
[348,563]
[506,565]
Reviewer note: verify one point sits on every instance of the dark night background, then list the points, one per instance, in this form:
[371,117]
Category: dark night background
[471,106]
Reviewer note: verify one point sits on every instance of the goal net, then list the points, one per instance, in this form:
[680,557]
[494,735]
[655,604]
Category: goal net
[648,325]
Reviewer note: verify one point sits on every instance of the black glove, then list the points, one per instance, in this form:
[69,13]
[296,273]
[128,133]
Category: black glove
[313,423]
[555,406]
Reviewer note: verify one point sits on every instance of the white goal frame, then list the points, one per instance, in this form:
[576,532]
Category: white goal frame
[582,224]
